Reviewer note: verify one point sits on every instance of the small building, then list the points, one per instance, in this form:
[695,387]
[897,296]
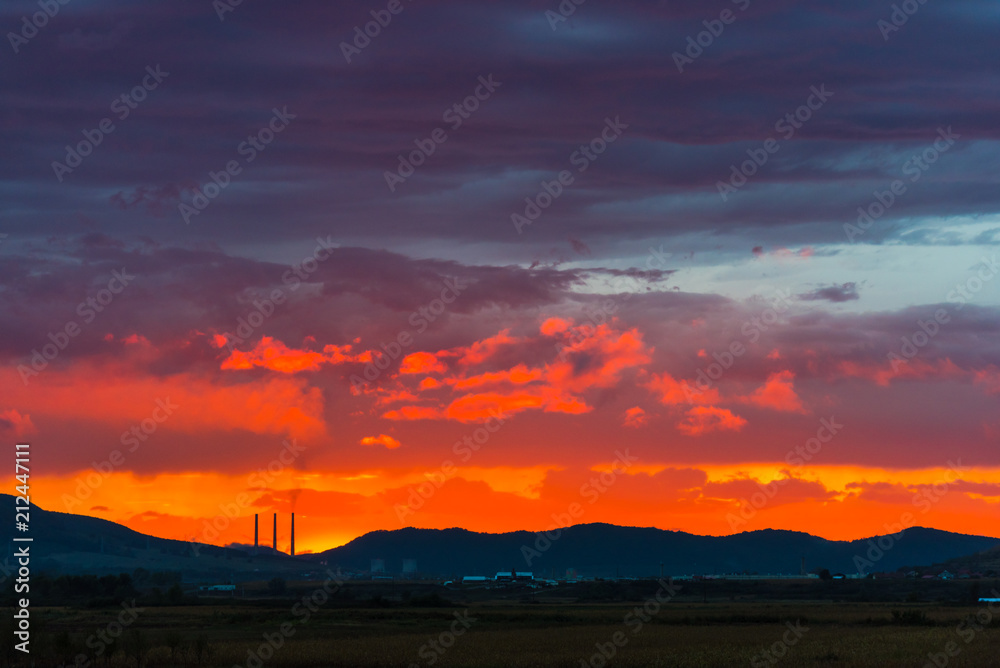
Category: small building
[512,576]
[217,588]
[474,580]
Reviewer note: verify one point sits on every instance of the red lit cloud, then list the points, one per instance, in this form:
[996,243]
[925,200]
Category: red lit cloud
[787,490]
[276,356]
[414,413]
[635,417]
[116,395]
[915,369]
[480,351]
[554,326]
[989,379]
[597,357]
[382,439]
[702,420]
[15,424]
[778,394]
[519,375]
[512,339]
[706,416]
[585,358]
[422,362]
[672,392]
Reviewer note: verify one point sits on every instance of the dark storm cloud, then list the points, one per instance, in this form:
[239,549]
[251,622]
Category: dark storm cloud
[178,292]
[179,296]
[325,172]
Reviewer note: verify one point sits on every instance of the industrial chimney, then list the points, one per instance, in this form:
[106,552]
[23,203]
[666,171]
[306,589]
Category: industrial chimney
[256,527]
[293,534]
[274,539]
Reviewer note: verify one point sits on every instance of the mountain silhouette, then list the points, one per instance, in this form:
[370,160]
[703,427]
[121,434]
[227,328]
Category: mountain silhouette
[604,550]
[63,542]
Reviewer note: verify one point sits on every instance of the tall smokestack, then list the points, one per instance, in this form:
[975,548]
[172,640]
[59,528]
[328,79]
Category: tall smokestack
[274,540]
[256,528]
[293,534]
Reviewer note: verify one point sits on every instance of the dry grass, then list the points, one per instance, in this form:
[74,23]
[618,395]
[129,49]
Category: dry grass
[552,636]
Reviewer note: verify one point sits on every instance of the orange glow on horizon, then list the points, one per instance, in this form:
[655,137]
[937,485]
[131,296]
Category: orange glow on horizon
[335,508]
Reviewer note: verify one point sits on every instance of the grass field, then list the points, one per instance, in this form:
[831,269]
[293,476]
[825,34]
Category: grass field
[503,634]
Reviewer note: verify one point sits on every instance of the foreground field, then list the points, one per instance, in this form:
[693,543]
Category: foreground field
[505,634]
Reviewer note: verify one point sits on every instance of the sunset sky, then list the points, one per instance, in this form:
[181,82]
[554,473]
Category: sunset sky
[457,273]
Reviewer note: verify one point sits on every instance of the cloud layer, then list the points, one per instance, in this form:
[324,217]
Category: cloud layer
[486,250]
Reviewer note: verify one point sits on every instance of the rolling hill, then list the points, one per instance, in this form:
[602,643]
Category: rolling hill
[604,550]
[63,543]
[67,543]
[984,562]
